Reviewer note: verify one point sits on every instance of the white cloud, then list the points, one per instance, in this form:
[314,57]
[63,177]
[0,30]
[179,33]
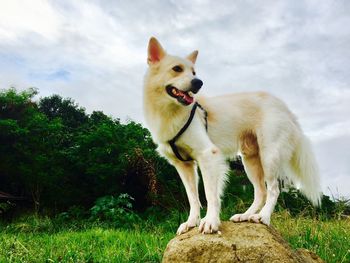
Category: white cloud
[95,52]
[18,18]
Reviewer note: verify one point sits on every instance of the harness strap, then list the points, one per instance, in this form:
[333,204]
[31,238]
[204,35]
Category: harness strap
[184,128]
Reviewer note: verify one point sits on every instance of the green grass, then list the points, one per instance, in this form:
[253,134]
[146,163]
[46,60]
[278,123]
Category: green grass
[330,239]
[32,239]
[91,245]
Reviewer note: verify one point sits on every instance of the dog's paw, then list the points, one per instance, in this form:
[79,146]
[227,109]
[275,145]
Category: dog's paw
[239,217]
[185,227]
[259,218]
[209,225]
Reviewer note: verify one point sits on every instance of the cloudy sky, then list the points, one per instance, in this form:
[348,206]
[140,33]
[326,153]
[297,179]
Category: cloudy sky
[95,53]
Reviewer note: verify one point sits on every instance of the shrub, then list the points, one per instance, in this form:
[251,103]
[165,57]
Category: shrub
[115,209]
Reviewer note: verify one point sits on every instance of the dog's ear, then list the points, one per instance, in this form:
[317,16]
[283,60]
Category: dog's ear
[193,56]
[155,51]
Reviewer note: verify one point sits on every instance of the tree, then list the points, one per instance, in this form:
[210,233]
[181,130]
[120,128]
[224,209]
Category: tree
[67,110]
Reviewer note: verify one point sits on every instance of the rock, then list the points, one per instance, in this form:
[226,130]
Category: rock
[237,242]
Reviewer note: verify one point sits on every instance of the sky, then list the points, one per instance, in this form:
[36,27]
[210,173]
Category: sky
[95,53]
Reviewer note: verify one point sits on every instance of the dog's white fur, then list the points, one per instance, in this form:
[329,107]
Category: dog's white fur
[256,125]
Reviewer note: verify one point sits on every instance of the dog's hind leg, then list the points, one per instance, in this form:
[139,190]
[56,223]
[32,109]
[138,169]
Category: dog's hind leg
[271,172]
[252,164]
[189,177]
[255,173]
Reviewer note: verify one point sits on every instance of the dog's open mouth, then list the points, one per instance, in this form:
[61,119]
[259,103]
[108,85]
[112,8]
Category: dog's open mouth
[184,97]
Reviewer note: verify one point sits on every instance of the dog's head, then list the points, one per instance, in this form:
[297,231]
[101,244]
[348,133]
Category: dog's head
[171,75]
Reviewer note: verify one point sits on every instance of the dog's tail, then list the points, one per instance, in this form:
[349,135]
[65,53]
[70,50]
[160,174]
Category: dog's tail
[306,169]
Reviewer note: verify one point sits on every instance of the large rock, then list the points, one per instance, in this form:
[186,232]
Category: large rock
[237,242]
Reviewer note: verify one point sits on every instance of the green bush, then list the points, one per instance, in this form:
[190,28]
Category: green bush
[115,209]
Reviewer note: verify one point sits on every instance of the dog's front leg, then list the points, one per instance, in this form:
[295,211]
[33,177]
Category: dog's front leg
[213,169]
[189,177]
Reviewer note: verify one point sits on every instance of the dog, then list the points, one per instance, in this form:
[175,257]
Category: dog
[193,130]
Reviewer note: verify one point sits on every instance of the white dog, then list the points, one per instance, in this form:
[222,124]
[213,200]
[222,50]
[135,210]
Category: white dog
[191,130]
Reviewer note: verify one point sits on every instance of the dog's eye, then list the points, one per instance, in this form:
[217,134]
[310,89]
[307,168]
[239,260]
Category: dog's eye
[177,69]
[194,73]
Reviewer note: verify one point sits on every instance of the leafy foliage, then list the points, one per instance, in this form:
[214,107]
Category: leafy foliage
[58,156]
[114,209]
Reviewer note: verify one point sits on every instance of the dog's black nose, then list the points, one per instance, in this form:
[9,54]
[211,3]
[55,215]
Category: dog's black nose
[196,85]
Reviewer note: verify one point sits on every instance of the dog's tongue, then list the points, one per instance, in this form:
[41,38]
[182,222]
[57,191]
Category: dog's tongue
[186,98]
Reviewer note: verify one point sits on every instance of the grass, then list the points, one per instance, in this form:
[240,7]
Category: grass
[329,239]
[33,239]
[91,245]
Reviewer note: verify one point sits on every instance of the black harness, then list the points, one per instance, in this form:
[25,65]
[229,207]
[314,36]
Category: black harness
[184,128]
